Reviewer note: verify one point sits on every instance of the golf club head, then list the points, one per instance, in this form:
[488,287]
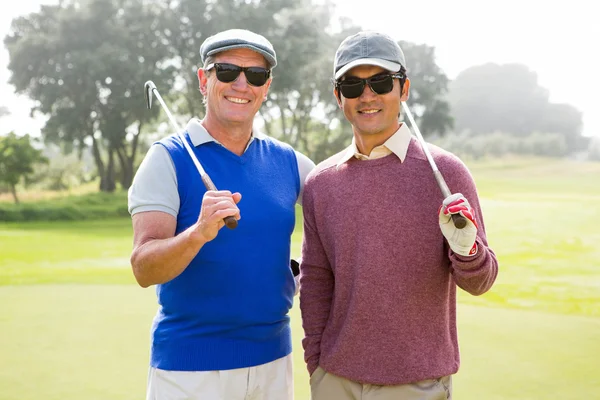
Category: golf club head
[149,86]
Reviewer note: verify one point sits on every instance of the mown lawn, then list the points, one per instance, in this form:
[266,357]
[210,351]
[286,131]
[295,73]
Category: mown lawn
[75,326]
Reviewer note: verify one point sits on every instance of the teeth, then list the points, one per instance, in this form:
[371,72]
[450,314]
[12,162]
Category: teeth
[236,100]
[369,111]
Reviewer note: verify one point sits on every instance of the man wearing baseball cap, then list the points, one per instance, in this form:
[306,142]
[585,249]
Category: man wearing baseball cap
[380,259]
[222,330]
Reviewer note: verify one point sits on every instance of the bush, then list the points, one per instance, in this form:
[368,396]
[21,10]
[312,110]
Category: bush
[72,208]
[594,149]
[500,144]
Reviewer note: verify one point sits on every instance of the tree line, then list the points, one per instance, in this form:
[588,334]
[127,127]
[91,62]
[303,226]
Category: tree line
[84,62]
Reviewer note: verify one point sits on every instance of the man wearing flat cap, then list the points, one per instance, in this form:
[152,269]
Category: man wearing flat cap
[380,259]
[222,330]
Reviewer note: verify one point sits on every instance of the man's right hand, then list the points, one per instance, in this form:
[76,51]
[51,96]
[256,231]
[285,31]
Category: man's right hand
[216,205]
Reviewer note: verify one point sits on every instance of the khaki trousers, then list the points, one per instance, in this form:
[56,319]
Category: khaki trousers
[326,386]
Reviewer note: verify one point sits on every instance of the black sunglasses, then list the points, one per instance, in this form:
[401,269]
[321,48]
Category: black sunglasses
[255,76]
[353,87]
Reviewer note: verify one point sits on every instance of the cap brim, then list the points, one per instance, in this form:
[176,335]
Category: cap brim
[270,59]
[385,64]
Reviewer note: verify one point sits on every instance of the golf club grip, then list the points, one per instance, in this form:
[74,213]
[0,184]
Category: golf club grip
[149,90]
[459,221]
[230,222]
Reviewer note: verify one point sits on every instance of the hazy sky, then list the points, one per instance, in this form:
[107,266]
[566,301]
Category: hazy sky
[559,40]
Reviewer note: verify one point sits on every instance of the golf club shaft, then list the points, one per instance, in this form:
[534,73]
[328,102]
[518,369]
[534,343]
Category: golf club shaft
[458,220]
[230,221]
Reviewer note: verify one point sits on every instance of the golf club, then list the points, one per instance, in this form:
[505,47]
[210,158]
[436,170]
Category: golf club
[149,90]
[458,220]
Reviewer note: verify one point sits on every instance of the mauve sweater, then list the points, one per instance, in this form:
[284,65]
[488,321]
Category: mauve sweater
[378,280]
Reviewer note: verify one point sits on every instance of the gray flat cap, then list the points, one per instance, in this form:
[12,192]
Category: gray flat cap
[238,39]
[368,48]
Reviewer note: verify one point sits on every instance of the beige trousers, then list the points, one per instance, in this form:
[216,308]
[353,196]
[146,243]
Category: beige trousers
[270,381]
[326,386]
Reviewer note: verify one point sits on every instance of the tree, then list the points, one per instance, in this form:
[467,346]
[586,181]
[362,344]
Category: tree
[494,97]
[594,148]
[428,90]
[302,103]
[301,106]
[507,98]
[17,159]
[300,97]
[85,62]
[567,121]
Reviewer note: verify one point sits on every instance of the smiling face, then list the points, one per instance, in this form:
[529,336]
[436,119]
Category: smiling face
[374,117]
[237,102]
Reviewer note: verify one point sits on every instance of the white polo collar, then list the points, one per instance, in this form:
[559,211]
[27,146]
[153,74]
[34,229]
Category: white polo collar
[200,135]
[397,144]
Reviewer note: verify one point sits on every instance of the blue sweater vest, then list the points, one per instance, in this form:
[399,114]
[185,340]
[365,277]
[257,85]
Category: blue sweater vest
[229,308]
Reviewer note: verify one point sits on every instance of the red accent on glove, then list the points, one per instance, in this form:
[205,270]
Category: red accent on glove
[457,207]
[473,250]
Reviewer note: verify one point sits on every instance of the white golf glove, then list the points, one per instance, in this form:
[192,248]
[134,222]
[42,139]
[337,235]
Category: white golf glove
[461,241]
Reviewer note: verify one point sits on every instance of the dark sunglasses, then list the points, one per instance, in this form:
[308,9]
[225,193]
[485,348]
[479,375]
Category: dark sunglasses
[255,76]
[353,87]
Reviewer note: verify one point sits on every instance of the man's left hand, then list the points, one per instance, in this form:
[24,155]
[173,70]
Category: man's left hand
[461,241]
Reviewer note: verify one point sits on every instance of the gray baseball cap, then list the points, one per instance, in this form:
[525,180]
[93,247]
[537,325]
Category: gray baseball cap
[238,39]
[368,48]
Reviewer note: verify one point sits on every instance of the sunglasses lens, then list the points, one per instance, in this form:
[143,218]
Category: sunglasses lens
[227,72]
[257,76]
[352,88]
[381,84]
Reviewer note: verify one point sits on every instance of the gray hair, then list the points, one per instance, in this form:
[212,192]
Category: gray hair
[209,60]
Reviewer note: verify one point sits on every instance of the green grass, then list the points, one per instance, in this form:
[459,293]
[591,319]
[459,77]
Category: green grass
[75,326]
[526,355]
[542,220]
[65,252]
[91,342]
